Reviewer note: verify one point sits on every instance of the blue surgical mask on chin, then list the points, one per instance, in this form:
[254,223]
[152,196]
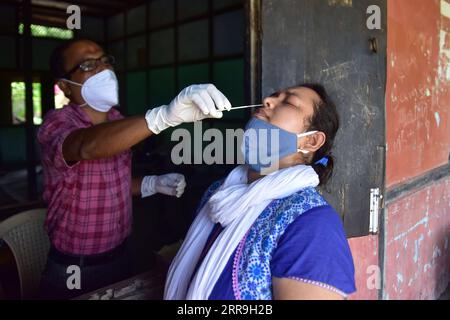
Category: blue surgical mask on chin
[265,144]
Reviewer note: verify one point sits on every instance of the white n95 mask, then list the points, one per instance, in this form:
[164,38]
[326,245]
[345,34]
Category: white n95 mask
[101,91]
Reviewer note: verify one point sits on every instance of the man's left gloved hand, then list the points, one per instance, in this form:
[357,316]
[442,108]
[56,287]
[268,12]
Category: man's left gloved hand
[171,184]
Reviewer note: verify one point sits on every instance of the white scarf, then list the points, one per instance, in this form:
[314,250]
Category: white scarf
[235,205]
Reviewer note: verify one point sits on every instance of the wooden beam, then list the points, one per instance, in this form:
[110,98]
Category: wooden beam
[98,8]
[29,126]
[103,4]
[62,7]
[46,20]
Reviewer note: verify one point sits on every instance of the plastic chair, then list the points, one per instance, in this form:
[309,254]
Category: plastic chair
[25,235]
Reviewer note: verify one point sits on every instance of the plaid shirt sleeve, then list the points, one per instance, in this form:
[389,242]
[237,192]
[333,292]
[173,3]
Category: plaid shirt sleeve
[51,136]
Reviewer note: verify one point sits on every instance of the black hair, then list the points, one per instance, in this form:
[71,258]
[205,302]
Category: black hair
[56,61]
[326,120]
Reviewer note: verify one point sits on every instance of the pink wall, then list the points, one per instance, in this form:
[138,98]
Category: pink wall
[417,226]
[365,256]
[417,254]
[417,93]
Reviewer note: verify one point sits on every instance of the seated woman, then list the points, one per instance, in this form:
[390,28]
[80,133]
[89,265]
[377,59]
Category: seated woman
[271,236]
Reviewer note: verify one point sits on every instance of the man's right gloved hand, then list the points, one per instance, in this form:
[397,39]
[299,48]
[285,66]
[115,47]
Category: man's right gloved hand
[194,103]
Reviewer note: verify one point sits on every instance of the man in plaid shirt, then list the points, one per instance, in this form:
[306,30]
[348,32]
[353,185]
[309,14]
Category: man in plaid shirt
[86,159]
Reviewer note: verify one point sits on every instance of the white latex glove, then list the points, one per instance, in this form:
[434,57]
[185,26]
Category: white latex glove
[171,184]
[194,103]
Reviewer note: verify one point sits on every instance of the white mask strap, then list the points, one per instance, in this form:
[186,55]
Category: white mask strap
[309,133]
[77,84]
[72,82]
[301,135]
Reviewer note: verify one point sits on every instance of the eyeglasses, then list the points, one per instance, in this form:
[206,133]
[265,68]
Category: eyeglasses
[92,64]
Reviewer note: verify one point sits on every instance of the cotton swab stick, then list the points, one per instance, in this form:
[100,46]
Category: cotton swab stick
[245,107]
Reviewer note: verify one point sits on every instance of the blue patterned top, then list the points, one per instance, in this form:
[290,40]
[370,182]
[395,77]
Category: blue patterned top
[299,237]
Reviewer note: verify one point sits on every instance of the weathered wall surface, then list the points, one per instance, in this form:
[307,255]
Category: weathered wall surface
[365,257]
[417,225]
[417,256]
[418,83]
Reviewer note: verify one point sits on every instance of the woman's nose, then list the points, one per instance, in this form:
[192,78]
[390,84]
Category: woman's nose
[269,103]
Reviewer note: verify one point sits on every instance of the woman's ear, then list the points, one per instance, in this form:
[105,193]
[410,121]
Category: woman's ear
[64,87]
[314,142]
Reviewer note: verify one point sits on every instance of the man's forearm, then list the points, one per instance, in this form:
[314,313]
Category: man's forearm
[136,186]
[106,139]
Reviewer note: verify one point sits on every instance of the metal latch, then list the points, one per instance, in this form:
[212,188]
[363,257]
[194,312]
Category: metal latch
[375,199]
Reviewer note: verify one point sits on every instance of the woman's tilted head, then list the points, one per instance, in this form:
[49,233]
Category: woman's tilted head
[307,112]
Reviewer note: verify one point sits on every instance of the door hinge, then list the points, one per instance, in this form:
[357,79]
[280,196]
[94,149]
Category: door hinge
[375,200]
